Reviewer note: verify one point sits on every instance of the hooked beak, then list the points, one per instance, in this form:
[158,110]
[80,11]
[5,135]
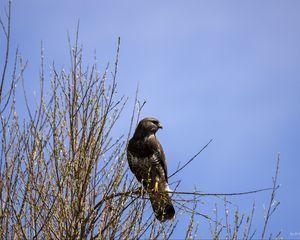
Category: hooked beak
[159,126]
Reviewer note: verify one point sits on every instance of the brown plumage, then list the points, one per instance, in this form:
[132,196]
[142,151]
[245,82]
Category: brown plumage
[147,161]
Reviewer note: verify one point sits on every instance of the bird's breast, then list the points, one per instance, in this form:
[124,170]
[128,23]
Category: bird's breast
[143,162]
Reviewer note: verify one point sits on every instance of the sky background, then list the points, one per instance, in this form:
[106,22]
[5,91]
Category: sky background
[227,70]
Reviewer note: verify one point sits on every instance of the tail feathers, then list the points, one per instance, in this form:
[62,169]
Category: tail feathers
[162,206]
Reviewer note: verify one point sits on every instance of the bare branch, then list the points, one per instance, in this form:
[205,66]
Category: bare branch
[189,161]
[271,206]
[7,34]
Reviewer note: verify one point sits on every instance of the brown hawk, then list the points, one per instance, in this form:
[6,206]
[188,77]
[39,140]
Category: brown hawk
[147,161]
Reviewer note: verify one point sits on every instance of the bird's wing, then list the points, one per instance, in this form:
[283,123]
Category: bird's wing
[158,154]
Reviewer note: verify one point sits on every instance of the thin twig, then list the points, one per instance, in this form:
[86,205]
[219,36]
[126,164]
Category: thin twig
[189,161]
[272,208]
[7,34]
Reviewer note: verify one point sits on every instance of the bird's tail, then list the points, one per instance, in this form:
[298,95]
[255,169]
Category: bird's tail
[162,205]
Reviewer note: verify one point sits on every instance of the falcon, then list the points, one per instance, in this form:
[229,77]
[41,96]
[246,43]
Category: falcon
[147,161]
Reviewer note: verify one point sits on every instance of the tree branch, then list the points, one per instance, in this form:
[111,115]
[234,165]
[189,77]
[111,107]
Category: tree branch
[189,161]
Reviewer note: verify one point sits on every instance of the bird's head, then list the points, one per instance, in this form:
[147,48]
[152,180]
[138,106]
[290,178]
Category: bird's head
[147,126]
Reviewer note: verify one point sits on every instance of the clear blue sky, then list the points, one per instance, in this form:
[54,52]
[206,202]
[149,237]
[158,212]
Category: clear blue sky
[228,70]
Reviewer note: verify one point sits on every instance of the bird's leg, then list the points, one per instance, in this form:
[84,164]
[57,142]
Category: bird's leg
[155,186]
[140,190]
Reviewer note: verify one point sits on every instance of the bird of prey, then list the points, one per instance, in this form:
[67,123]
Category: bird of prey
[147,161]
